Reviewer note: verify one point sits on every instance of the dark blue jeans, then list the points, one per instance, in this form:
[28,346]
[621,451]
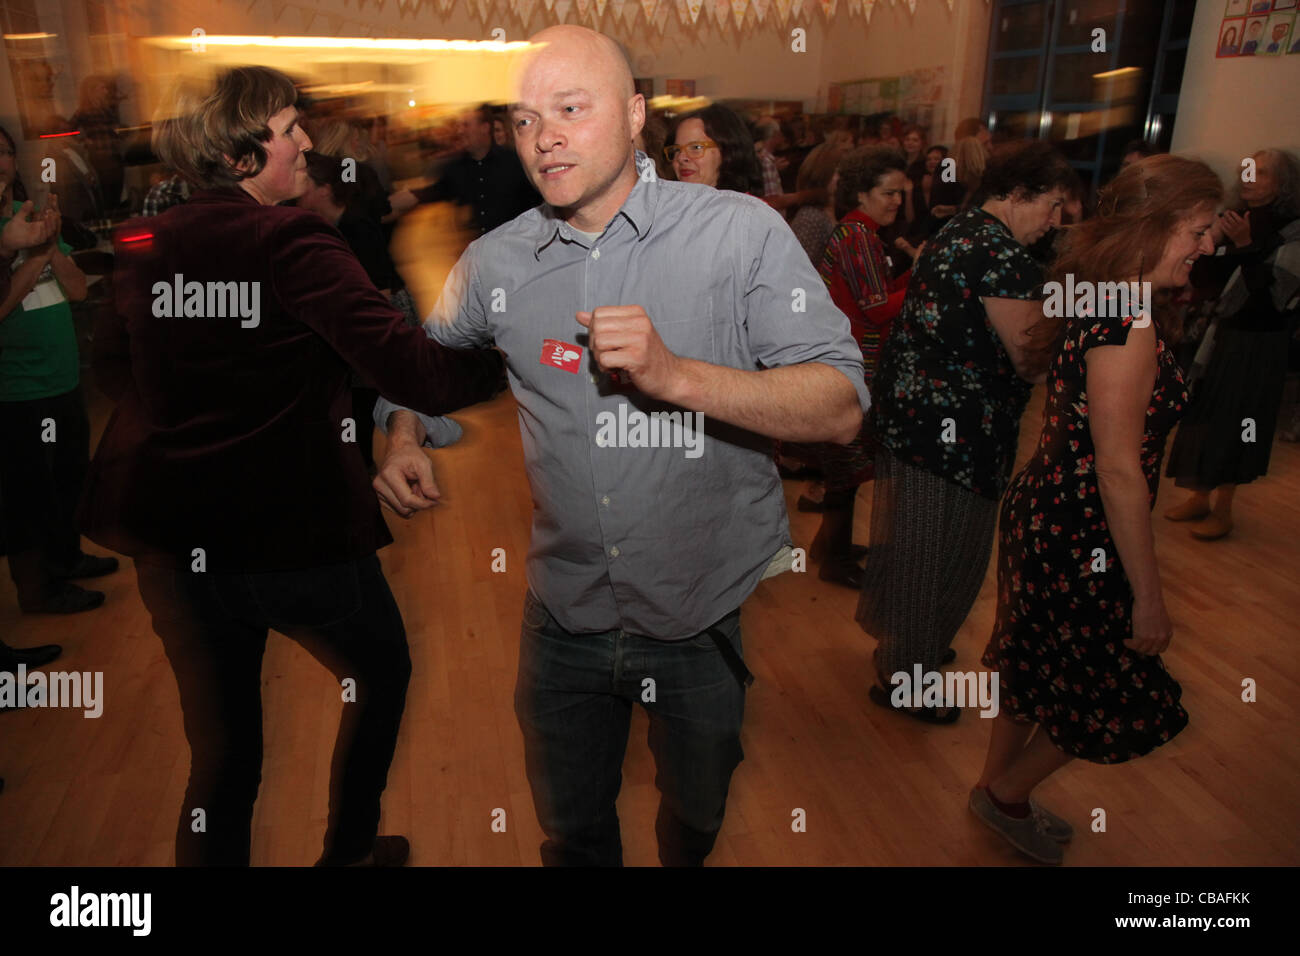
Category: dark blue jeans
[574,700]
[213,628]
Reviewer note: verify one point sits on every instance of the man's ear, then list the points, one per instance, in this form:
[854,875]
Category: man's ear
[636,114]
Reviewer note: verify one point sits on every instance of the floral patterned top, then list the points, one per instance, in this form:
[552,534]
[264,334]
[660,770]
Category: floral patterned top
[947,396]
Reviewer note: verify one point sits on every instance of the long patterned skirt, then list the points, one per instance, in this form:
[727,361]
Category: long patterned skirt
[931,542]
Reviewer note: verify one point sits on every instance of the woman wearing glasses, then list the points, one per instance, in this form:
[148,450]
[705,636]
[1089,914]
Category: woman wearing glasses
[713,147]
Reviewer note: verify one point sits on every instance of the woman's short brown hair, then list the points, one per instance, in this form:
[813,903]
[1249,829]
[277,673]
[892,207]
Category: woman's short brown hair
[204,136]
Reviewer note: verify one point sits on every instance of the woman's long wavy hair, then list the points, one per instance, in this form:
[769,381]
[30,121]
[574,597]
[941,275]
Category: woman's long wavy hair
[1137,214]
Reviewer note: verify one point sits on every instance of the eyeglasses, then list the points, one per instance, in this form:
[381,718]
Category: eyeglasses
[693,150]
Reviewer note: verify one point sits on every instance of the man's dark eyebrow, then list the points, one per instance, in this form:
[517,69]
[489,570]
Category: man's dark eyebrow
[574,92]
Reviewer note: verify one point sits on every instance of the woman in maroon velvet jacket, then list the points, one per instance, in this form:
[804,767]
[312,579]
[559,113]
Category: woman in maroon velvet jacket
[227,471]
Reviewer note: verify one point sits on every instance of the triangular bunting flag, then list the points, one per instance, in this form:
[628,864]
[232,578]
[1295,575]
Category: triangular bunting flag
[693,8]
[648,7]
[828,8]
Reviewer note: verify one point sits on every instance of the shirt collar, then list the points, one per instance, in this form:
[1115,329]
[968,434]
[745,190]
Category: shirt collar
[858,215]
[638,209]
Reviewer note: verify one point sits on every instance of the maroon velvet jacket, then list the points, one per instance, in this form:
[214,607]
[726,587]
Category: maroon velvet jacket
[230,438]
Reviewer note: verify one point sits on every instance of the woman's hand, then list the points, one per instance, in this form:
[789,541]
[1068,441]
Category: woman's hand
[1152,629]
[1236,227]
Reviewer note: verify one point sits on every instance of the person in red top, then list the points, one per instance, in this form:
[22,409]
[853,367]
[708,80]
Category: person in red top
[855,266]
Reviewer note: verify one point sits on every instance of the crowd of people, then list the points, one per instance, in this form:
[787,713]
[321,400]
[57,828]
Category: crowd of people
[920,338]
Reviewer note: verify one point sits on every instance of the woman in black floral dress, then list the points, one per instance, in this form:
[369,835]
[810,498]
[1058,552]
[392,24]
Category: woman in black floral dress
[1081,619]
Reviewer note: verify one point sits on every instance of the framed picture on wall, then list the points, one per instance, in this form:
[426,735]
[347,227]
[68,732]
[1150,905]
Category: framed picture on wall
[1237,8]
[1261,6]
[1284,4]
[1277,35]
[1230,37]
[1253,38]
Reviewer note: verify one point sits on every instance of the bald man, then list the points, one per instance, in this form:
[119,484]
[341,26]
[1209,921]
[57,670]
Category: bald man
[658,335]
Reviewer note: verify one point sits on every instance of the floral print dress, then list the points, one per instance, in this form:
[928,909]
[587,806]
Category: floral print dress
[1057,643]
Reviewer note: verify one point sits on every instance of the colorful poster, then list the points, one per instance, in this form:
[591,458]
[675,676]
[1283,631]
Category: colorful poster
[1230,32]
[1277,35]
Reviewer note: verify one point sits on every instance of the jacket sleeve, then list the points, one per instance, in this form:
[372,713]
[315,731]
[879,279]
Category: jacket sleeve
[319,281]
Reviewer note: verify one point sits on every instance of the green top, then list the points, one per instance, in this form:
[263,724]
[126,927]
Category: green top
[38,347]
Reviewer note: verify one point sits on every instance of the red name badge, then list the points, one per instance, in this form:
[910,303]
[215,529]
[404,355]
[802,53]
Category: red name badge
[562,355]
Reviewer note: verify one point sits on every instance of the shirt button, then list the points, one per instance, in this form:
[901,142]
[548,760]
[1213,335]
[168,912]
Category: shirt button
[613,552]
[605,500]
[595,379]
[595,253]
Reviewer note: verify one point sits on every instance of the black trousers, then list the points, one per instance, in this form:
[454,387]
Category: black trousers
[214,627]
[40,484]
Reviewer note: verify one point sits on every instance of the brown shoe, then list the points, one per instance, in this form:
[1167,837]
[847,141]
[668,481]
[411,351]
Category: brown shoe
[1212,528]
[1193,509]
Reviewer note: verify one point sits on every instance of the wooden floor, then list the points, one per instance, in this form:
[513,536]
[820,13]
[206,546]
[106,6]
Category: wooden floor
[876,788]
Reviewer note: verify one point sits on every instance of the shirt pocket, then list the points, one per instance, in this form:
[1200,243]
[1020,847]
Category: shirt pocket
[685,324]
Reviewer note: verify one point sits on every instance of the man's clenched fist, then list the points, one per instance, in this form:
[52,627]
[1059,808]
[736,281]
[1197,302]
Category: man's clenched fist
[623,339]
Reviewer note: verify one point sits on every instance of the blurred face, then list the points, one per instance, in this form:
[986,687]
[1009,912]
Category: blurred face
[477,134]
[703,168]
[932,160]
[912,143]
[317,198]
[285,174]
[1189,241]
[984,137]
[885,198]
[574,127]
[1030,219]
[8,165]
[1264,189]
[499,132]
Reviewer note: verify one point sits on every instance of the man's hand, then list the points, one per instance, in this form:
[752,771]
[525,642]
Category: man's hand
[623,339]
[23,232]
[405,482]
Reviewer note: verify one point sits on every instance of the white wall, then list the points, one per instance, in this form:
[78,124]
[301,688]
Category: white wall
[1232,107]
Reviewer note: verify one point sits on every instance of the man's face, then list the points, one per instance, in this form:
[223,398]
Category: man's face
[477,134]
[573,129]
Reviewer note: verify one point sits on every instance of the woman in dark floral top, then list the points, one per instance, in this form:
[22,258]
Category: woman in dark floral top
[1081,618]
[954,378]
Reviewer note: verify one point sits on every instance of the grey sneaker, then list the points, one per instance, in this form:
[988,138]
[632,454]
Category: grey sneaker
[1029,835]
[1057,828]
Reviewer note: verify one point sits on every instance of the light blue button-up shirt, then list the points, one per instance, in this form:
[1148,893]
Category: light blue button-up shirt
[640,522]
